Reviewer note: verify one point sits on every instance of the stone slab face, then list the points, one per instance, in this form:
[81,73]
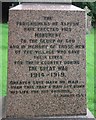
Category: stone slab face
[46,63]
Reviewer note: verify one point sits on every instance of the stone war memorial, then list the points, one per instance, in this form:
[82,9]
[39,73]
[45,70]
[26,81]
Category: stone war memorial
[46,62]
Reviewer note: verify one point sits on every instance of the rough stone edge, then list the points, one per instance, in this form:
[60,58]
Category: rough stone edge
[56,1]
[21,7]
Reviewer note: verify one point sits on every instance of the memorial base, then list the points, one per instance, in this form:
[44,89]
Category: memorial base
[89,116]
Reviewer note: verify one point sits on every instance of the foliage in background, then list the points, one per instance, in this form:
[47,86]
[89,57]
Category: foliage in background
[91,6]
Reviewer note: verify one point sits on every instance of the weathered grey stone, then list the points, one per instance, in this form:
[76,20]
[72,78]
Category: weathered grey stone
[46,65]
[49,1]
[89,116]
[2,107]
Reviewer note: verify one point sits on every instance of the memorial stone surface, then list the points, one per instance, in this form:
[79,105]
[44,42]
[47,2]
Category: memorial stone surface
[46,61]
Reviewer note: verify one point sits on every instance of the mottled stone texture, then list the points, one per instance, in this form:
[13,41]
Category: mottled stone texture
[51,91]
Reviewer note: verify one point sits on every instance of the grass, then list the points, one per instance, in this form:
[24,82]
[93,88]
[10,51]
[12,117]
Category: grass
[89,64]
[3,56]
[90,70]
